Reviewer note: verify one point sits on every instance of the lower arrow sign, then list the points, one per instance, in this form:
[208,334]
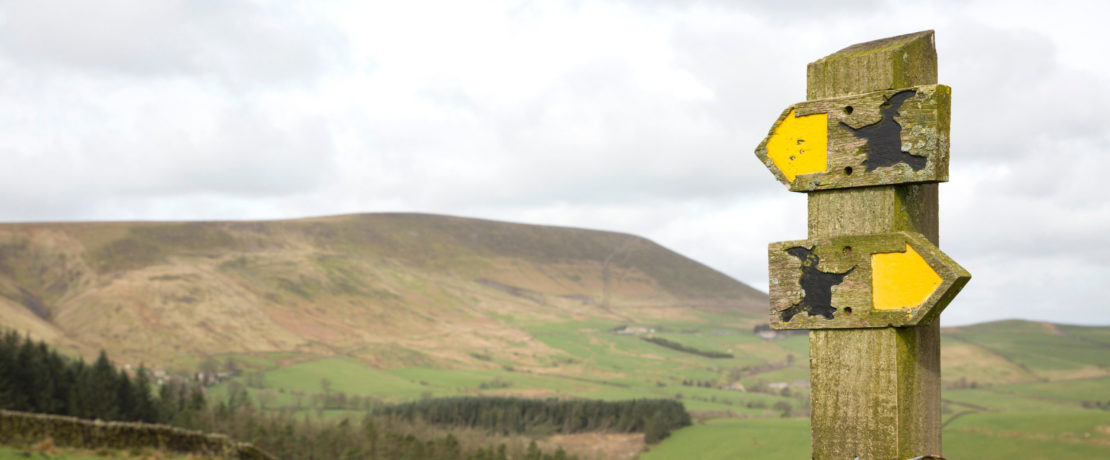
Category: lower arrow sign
[891,279]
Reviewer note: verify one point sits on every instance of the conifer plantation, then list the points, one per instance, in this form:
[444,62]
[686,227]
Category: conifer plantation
[36,378]
[653,417]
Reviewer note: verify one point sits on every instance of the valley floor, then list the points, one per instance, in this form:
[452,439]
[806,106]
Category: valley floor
[1018,401]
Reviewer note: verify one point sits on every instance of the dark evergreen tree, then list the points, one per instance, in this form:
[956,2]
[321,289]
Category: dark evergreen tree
[146,409]
[37,378]
[103,389]
[516,415]
[125,398]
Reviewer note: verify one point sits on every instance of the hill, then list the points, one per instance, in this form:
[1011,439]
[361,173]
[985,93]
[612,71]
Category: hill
[1016,351]
[1011,389]
[387,289]
[329,316]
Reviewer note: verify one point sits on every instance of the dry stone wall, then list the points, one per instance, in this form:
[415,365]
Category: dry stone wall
[96,434]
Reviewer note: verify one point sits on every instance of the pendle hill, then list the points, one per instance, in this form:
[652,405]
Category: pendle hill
[326,317]
[421,289]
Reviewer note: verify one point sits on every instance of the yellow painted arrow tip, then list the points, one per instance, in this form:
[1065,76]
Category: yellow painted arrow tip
[799,145]
[901,280]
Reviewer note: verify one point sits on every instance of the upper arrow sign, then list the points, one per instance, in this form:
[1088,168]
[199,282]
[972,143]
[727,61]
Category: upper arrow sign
[891,279]
[881,138]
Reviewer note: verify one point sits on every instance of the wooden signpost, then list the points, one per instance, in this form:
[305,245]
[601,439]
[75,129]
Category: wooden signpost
[884,137]
[868,147]
[889,279]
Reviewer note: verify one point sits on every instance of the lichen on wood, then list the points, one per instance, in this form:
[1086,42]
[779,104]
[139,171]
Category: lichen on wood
[886,63]
[851,303]
[875,392]
[921,124]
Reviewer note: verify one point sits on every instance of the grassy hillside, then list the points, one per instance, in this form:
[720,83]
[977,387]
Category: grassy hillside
[1012,389]
[328,316]
[391,289]
[987,413]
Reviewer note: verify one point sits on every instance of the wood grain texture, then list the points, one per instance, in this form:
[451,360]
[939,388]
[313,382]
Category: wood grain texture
[890,63]
[924,124]
[875,392]
[851,298]
[858,211]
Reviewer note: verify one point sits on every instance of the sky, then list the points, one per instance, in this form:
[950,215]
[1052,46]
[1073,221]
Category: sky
[630,116]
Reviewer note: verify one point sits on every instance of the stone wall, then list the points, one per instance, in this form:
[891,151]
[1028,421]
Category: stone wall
[96,434]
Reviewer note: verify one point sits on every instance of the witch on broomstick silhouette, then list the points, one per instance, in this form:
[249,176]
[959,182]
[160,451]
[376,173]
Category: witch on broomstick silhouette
[816,286]
[884,138]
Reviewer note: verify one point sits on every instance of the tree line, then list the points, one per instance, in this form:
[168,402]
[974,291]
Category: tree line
[653,417]
[287,435]
[36,378]
[685,349]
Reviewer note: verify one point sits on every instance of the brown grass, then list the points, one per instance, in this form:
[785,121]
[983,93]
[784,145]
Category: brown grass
[976,363]
[617,446]
[168,293]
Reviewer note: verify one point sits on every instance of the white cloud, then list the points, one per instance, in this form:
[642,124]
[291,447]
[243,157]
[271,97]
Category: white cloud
[242,43]
[629,116]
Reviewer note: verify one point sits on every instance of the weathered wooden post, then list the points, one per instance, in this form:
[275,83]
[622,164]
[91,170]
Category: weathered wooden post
[869,146]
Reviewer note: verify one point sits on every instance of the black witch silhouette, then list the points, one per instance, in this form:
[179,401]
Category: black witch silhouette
[884,138]
[816,286]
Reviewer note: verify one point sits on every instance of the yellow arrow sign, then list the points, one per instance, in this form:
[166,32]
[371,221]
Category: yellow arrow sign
[901,280]
[880,138]
[799,145]
[890,279]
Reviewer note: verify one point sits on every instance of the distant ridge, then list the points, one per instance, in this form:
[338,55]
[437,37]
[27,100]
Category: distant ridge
[169,292]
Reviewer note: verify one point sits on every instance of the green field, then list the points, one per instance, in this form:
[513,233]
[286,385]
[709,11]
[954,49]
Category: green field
[1006,435]
[1073,435]
[737,438]
[1045,415]
[11,453]
[333,316]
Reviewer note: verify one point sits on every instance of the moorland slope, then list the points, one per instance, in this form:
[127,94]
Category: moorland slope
[423,287]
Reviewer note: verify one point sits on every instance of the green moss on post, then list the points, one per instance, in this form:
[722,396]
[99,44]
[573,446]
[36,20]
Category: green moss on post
[888,63]
[875,392]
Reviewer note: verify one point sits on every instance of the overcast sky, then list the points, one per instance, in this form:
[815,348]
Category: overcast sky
[634,116]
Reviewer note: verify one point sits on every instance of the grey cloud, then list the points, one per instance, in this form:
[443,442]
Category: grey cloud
[1016,285]
[246,155]
[787,11]
[753,74]
[1011,91]
[235,42]
[596,134]
[222,110]
[1027,134]
[592,136]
